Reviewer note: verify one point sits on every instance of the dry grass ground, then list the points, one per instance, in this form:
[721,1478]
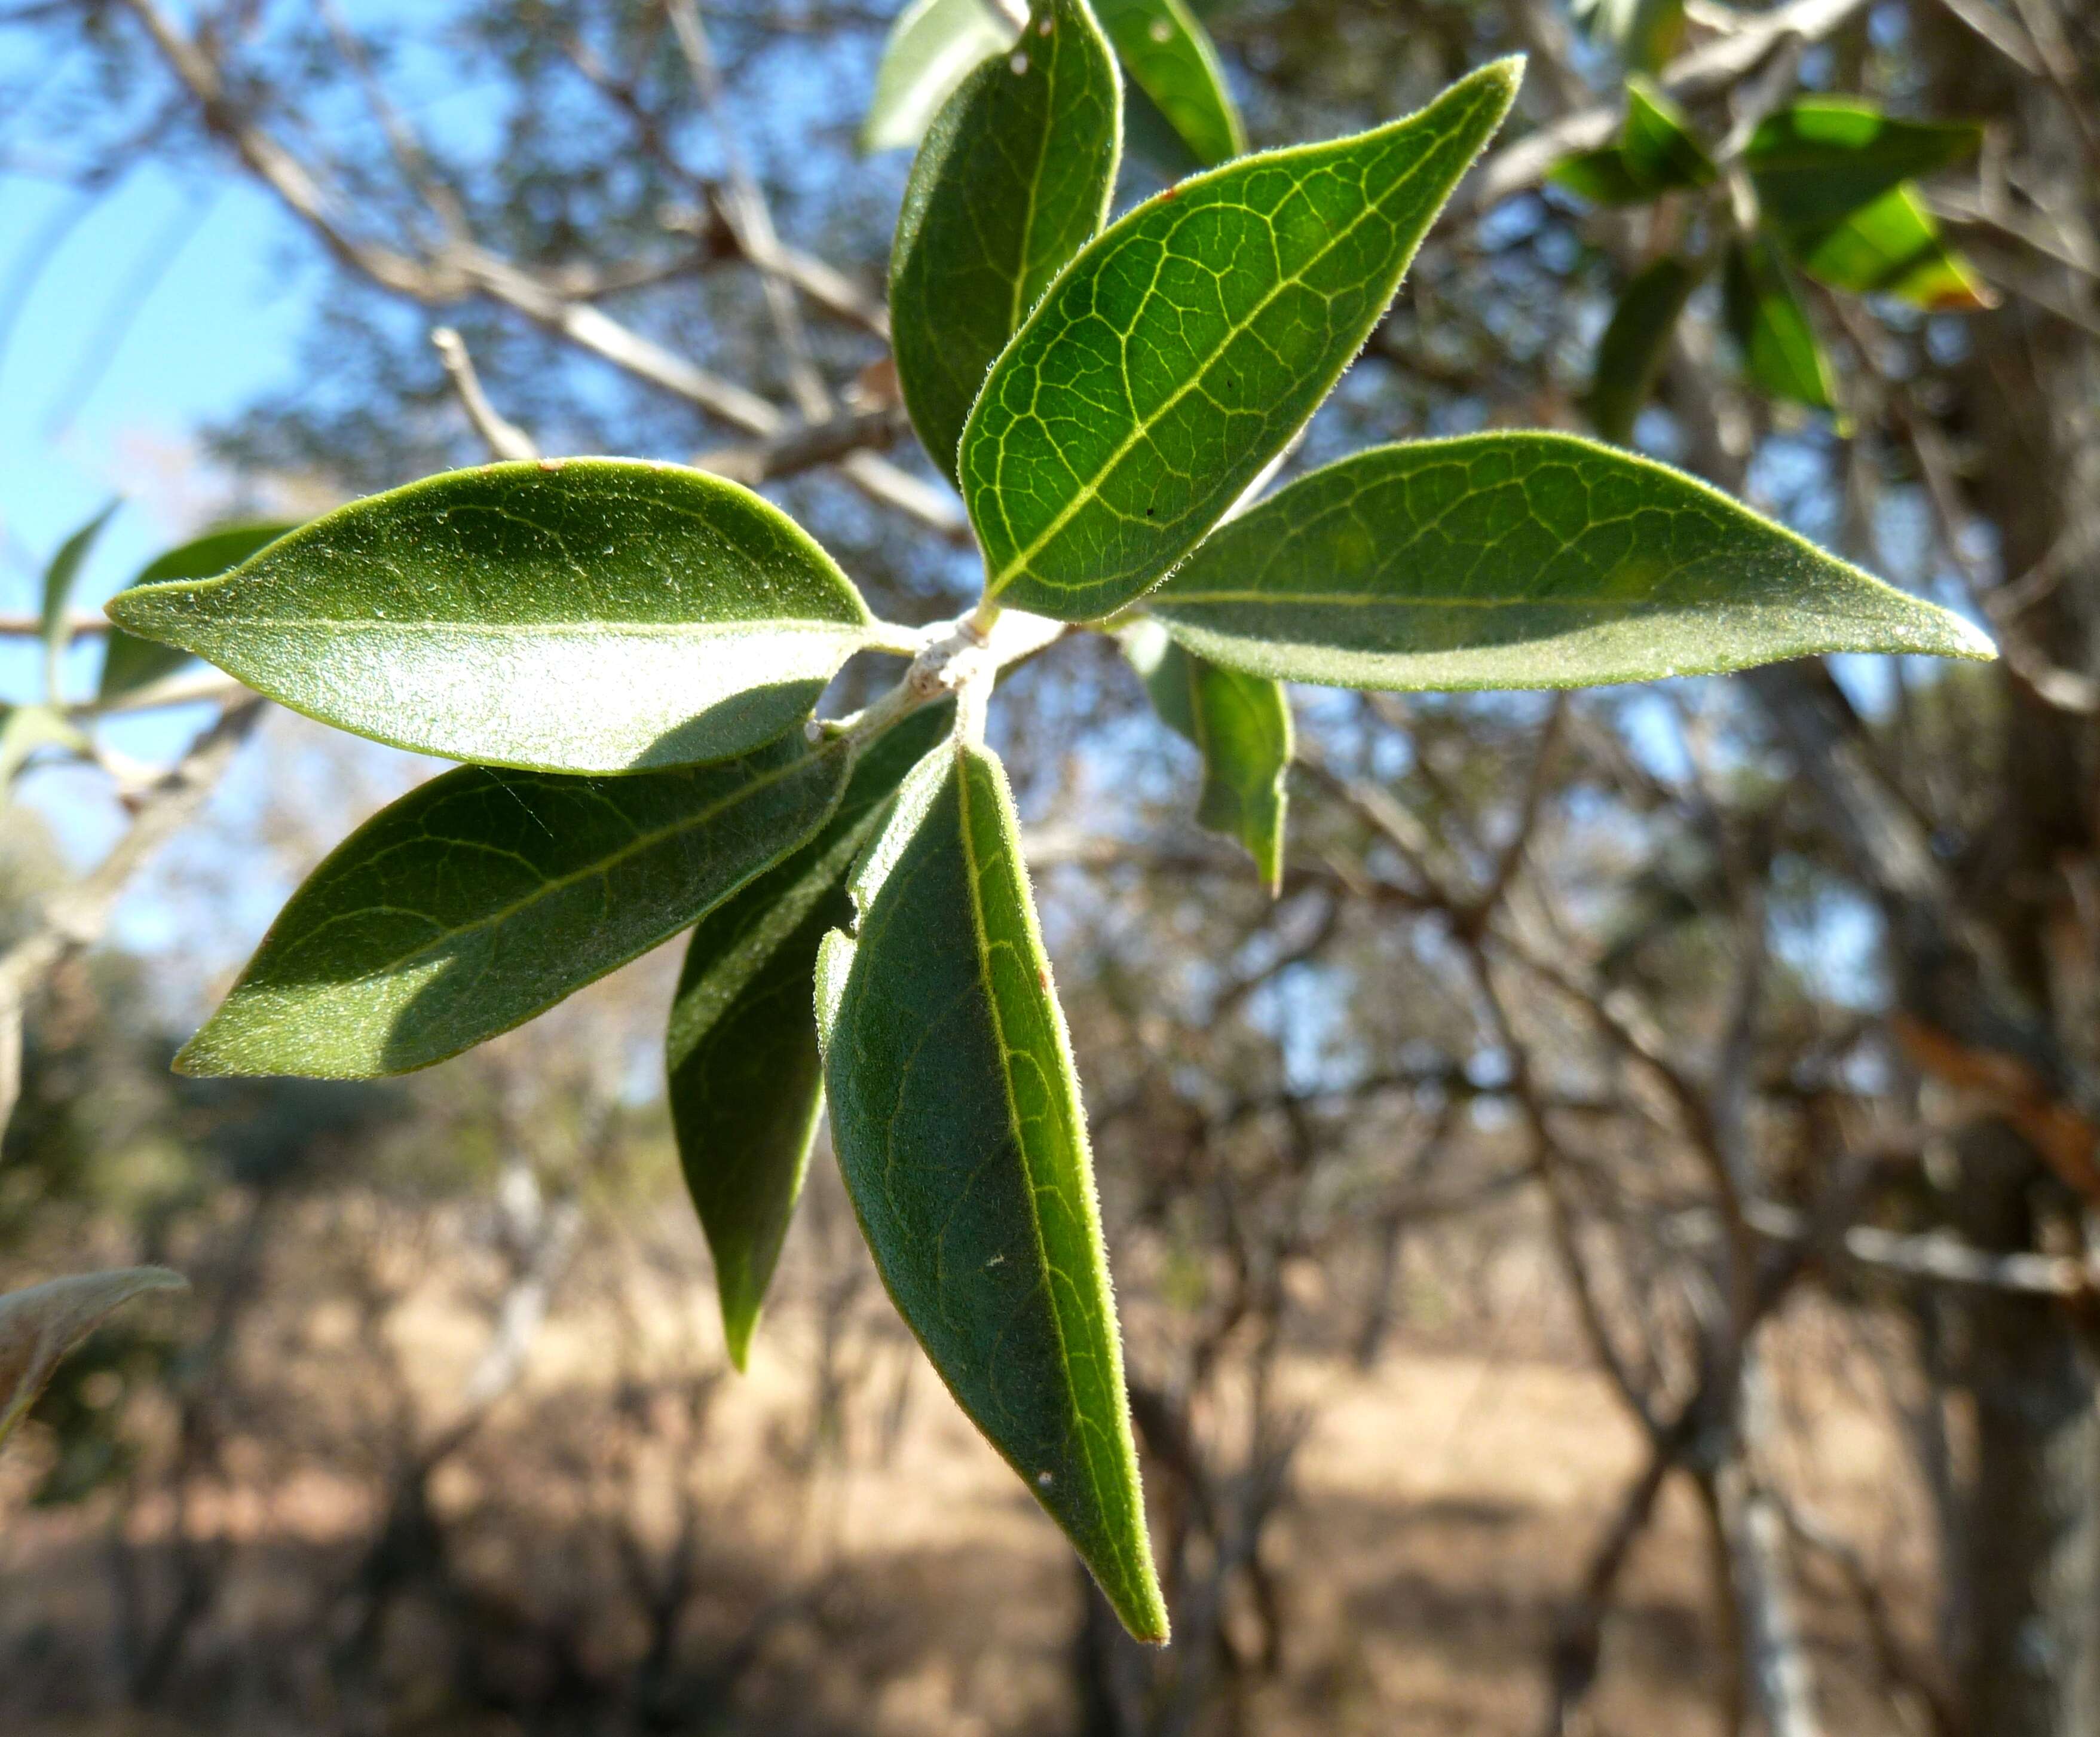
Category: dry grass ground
[868,1567]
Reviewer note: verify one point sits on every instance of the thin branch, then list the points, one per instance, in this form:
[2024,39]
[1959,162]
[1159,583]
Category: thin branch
[504,438]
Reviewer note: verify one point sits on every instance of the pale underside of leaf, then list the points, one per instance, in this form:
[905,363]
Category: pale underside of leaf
[932,47]
[486,895]
[1189,343]
[587,615]
[1524,561]
[956,1118]
[40,1325]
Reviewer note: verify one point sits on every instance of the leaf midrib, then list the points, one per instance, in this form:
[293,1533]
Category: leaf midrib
[1145,426]
[548,889]
[1015,1124]
[580,628]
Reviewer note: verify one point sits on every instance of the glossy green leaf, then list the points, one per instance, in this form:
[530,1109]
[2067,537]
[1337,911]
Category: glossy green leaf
[1771,328]
[132,663]
[59,577]
[24,729]
[959,1128]
[1646,33]
[582,615]
[1014,178]
[1630,353]
[1891,247]
[40,1325]
[745,1080]
[1821,159]
[1524,561]
[486,895]
[1241,725]
[1187,344]
[1661,151]
[932,48]
[1170,58]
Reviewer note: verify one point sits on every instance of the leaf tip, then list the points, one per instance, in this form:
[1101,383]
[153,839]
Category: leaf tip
[737,1326]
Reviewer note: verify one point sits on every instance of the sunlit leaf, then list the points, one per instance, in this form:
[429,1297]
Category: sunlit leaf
[1771,328]
[1189,342]
[959,1128]
[40,1325]
[1241,725]
[1170,58]
[1656,152]
[486,895]
[1014,180]
[745,1080]
[1524,561]
[1661,150]
[582,615]
[132,663]
[1891,247]
[932,48]
[1630,353]
[1822,158]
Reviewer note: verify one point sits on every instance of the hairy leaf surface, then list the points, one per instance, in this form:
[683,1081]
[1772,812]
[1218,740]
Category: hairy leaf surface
[1182,350]
[1170,58]
[930,49]
[132,663]
[38,1326]
[741,1048]
[1241,725]
[1524,561]
[958,1124]
[1771,328]
[486,895]
[1014,180]
[586,615]
[1631,350]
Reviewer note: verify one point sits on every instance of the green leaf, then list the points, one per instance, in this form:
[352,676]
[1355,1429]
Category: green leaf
[741,1049]
[1524,561]
[1241,725]
[1014,178]
[1820,159]
[132,663]
[1891,247]
[59,577]
[932,48]
[486,895]
[1646,33]
[1771,326]
[1630,353]
[959,1128]
[24,729]
[1186,345]
[582,615]
[40,1325]
[1661,151]
[1602,177]
[1170,58]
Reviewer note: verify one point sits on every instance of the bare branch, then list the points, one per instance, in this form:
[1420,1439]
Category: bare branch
[504,439]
